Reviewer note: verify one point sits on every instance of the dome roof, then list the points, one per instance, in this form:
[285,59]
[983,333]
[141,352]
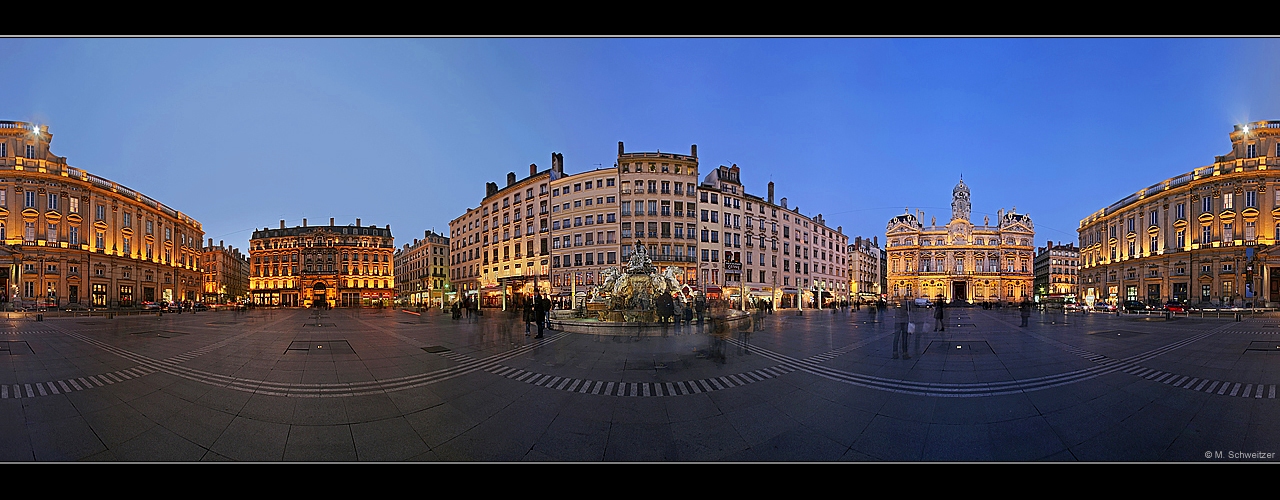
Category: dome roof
[960,188]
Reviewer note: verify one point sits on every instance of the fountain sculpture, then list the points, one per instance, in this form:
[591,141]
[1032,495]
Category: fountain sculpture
[630,294]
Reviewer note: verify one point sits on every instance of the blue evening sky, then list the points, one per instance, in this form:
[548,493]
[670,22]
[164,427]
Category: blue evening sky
[240,133]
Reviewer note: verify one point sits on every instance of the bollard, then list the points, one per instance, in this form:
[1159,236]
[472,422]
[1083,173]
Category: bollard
[39,317]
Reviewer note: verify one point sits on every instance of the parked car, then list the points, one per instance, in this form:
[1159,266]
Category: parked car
[1134,305]
[1104,307]
[150,306]
[1175,307]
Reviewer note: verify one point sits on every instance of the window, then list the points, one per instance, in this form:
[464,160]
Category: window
[1181,211]
[1206,204]
[101,212]
[1227,233]
[53,201]
[1251,199]
[1226,201]
[1206,234]
[29,199]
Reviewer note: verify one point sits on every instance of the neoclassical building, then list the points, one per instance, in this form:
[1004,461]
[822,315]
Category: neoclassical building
[71,237]
[322,266]
[960,261]
[1207,236]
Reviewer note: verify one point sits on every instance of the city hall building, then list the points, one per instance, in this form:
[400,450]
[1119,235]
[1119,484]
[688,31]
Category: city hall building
[71,238]
[961,261]
[322,266]
[1207,236]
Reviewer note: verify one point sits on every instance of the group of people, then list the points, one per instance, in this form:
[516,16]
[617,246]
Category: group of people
[537,310]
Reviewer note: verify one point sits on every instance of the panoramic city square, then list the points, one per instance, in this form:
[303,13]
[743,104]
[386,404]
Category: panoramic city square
[640,249]
[386,385]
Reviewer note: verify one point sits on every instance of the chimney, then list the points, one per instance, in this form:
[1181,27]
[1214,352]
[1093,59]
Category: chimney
[511,179]
[693,151]
[770,191]
[875,240]
[357,222]
[304,222]
[490,189]
[557,163]
[533,169]
[619,148]
[281,223]
[388,227]
[426,234]
[331,221]
[210,241]
[219,241]
[783,202]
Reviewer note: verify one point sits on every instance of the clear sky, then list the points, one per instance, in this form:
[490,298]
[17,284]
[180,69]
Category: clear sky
[240,133]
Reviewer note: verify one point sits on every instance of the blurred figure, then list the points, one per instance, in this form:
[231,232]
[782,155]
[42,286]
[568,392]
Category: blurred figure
[902,324]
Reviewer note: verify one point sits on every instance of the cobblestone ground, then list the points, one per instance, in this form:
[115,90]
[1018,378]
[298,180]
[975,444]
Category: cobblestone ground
[385,385]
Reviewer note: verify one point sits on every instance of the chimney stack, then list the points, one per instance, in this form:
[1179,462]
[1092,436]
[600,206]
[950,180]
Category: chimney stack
[533,169]
[331,221]
[511,179]
[210,241]
[770,191]
[619,148]
[357,222]
[219,241]
[693,151]
[783,202]
[281,223]
[304,222]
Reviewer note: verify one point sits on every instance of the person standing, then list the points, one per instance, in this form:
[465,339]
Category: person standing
[540,306]
[903,320]
[940,315]
[1025,310]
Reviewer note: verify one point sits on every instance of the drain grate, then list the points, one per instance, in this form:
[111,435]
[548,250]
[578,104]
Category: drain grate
[320,325]
[1263,346]
[959,347]
[15,347]
[435,349]
[320,347]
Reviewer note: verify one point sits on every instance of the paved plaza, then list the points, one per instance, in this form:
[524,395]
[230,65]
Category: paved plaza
[386,385]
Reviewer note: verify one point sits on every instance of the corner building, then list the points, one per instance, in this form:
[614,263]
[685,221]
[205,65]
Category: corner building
[961,261]
[71,237]
[1206,237]
[499,252]
[421,271]
[322,266]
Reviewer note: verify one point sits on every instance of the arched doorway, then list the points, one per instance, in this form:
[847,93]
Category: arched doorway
[318,299]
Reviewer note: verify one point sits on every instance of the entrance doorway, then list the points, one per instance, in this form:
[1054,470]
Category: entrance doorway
[318,296]
[959,291]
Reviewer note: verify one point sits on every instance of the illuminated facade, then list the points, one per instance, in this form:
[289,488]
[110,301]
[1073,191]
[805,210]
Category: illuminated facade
[321,266]
[864,268]
[961,261]
[422,271]
[1057,271]
[226,273]
[584,229]
[499,252]
[71,237]
[788,257]
[658,208]
[1206,237]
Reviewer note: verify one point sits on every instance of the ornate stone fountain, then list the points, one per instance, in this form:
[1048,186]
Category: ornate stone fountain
[630,294]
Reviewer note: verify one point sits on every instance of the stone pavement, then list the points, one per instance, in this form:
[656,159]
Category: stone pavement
[384,385]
